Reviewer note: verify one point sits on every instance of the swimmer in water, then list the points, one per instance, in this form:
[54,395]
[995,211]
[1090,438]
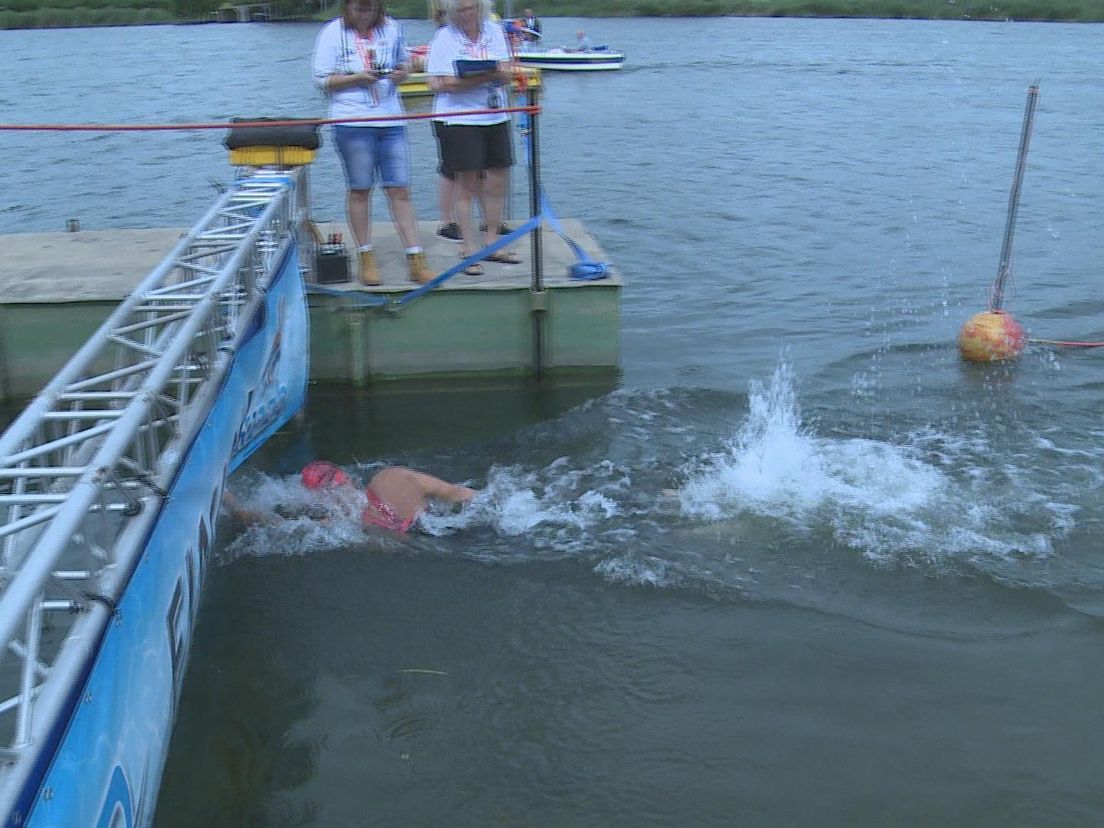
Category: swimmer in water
[395,495]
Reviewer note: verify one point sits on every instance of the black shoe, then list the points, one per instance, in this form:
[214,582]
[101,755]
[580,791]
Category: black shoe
[450,231]
[503,229]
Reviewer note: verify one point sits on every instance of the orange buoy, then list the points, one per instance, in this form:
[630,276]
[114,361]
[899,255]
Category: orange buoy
[991,336]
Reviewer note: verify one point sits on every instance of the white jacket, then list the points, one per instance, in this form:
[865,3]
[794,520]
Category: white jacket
[339,50]
[449,45]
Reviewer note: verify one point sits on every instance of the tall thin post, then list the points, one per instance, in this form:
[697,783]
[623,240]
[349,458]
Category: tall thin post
[1005,266]
[537,257]
[535,189]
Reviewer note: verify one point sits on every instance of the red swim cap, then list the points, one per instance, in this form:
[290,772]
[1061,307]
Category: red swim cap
[319,474]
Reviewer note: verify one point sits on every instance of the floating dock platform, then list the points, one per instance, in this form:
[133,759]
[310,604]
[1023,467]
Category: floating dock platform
[57,288]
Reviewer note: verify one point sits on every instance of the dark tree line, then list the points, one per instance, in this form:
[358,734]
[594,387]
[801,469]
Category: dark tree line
[196,9]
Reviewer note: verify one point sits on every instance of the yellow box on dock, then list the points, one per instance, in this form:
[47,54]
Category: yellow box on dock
[263,156]
[416,84]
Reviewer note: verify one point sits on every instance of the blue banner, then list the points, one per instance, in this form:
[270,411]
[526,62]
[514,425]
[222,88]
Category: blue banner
[107,768]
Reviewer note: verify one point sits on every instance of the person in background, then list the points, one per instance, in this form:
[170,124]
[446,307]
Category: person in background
[359,60]
[446,199]
[477,148]
[531,22]
[582,42]
[446,179]
[446,195]
[393,498]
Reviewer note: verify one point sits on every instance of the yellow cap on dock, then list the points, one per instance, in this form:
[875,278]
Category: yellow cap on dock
[267,156]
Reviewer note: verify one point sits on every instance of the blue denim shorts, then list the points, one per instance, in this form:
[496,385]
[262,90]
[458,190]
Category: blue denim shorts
[372,153]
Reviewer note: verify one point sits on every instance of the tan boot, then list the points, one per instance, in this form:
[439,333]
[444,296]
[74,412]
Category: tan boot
[419,270]
[369,272]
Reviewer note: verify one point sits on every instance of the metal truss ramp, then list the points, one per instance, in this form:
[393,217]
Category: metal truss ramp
[85,468]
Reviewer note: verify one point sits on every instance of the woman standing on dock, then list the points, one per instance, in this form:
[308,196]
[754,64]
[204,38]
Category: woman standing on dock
[359,60]
[476,145]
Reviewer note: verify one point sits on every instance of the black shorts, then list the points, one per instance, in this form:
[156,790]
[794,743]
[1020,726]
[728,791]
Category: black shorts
[438,131]
[469,148]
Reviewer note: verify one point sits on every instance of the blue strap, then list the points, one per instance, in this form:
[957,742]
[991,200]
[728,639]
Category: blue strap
[356,296]
[586,268]
[474,258]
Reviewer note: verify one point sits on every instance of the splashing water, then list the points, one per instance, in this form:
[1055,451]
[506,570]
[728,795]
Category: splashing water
[312,521]
[556,506]
[772,466]
[757,506]
[559,508]
[936,499]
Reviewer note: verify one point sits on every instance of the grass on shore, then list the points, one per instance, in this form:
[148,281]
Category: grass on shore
[41,14]
[54,18]
[1084,11]
[36,14]
[1066,10]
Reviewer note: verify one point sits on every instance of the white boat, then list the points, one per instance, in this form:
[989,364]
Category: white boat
[600,59]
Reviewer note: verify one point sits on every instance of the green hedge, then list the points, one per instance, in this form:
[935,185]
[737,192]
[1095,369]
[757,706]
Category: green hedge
[1072,10]
[88,5]
[36,14]
[53,18]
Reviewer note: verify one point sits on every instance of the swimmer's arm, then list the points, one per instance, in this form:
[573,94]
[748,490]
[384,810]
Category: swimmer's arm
[443,490]
[247,516]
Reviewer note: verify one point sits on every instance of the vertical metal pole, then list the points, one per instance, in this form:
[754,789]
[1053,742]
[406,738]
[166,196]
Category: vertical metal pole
[5,372]
[1005,266]
[534,191]
[539,308]
[355,342]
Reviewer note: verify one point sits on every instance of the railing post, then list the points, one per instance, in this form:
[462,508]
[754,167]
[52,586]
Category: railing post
[539,308]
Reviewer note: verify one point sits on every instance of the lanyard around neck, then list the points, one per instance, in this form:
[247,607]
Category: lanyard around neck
[474,47]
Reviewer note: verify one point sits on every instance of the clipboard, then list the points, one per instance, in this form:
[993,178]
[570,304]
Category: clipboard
[467,68]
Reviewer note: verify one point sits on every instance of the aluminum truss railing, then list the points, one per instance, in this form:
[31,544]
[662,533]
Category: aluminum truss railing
[100,445]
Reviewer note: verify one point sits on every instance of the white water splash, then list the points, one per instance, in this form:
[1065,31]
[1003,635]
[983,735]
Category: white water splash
[557,507]
[772,466]
[305,521]
[558,503]
[929,499]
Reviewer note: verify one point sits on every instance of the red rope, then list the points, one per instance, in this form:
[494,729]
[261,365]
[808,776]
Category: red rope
[239,124]
[1066,343]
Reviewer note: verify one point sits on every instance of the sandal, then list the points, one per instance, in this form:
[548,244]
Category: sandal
[475,269]
[503,257]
